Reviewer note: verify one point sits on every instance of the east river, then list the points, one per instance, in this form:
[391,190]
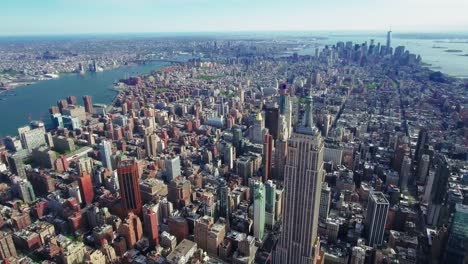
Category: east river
[32,102]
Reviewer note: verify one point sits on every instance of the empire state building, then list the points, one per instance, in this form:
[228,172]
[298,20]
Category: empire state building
[303,176]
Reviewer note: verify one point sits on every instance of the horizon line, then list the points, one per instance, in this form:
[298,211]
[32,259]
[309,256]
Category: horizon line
[383,31]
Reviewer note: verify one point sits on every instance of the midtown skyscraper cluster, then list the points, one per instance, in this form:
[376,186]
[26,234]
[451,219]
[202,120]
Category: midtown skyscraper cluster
[355,153]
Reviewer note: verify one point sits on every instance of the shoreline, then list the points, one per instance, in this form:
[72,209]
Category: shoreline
[19,84]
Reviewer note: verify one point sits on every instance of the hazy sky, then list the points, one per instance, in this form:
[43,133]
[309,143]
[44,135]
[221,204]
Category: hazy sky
[19,17]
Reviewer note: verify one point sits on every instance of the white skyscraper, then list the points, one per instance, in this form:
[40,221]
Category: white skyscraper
[105,150]
[303,176]
[259,210]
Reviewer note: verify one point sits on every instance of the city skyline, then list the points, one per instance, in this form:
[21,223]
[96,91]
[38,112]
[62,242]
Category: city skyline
[234,131]
[58,17]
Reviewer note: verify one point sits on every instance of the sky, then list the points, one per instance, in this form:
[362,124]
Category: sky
[37,17]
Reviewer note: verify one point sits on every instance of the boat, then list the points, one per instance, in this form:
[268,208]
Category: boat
[453,50]
[51,76]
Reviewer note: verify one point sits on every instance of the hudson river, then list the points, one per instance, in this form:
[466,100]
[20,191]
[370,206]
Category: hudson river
[32,102]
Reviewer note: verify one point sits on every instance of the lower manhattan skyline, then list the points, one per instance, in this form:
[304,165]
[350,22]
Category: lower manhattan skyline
[234,131]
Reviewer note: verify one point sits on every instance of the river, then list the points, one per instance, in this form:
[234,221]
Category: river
[32,102]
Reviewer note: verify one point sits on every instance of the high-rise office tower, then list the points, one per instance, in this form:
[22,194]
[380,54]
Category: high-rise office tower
[86,188]
[405,173]
[438,191]
[237,139]
[281,150]
[377,209]
[456,245]
[272,116]
[105,151]
[422,140]
[258,129]
[222,107]
[267,150]
[88,104]
[389,41]
[229,155]
[150,223]
[270,203]
[151,144]
[85,165]
[423,168]
[172,168]
[26,191]
[259,210]
[223,200]
[132,229]
[285,106]
[127,171]
[303,176]
[325,197]
[241,95]
[16,163]
[201,231]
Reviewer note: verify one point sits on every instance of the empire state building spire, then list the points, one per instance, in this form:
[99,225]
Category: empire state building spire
[299,242]
[308,126]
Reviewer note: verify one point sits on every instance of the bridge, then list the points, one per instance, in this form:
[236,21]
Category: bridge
[156,60]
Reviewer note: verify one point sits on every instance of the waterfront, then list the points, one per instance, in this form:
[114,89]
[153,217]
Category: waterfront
[32,102]
[438,58]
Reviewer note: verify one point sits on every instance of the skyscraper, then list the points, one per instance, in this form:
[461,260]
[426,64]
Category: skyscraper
[105,150]
[237,139]
[26,191]
[325,197]
[423,168]
[405,173]
[88,104]
[223,200]
[127,171]
[456,246]
[377,209]
[422,140]
[438,190]
[267,149]
[150,223]
[86,188]
[151,147]
[132,229]
[389,41]
[270,203]
[272,115]
[303,176]
[259,210]
[172,168]
[258,130]
[285,106]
